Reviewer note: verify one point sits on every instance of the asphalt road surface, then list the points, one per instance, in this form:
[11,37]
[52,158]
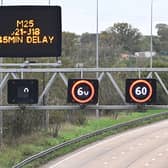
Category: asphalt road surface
[145,147]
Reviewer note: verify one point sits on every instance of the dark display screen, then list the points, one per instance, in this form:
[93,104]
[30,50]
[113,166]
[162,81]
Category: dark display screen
[30,31]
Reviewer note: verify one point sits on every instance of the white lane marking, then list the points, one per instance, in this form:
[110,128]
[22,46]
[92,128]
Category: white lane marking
[140,144]
[160,154]
[122,153]
[105,163]
[146,164]
[114,157]
[157,136]
[131,148]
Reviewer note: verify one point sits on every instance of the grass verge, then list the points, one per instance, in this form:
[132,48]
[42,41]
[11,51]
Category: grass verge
[9,156]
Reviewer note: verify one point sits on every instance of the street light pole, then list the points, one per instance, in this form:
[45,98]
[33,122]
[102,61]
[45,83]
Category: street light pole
[151,37]
[47,115]
[1,101]
[97,47]
[97,37]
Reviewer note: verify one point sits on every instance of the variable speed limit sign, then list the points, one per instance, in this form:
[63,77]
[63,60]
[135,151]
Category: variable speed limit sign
[83,91]
[141,91]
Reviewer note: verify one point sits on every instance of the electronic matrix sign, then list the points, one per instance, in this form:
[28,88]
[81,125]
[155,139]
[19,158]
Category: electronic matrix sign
[83,91]
[30,31]
[141,91]
[22,91]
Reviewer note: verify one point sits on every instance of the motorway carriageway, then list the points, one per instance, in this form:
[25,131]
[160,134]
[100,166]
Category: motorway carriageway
[144,147]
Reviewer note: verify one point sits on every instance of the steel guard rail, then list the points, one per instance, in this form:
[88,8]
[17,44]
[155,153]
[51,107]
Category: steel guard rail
[90,135]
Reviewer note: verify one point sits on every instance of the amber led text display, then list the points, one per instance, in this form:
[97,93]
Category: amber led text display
[30,31]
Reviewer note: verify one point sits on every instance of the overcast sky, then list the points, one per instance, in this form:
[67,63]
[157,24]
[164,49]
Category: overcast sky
[79,16]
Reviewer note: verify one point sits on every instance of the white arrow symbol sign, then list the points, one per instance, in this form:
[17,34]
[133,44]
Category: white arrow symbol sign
[26,90]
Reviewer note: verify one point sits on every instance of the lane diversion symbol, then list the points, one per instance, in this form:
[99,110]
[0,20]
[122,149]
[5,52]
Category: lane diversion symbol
[26,90]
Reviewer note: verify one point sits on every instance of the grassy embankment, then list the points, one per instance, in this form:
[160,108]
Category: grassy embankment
[28,146]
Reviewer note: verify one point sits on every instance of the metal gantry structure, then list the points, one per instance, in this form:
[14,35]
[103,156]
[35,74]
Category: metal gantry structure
[17,71]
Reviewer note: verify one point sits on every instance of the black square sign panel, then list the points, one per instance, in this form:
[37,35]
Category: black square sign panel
[142,91]
[23,91]
[83,91]
[30,31]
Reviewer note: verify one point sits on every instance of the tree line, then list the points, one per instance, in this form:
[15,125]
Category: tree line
[117,39]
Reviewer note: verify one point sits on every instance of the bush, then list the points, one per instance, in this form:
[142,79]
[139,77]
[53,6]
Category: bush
[56,119]
[77,117]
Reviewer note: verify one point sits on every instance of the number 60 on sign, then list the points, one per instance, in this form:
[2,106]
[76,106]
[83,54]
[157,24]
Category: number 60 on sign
[140,91]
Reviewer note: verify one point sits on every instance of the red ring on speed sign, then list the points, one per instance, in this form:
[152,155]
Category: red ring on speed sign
[91,88]
[149,87]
